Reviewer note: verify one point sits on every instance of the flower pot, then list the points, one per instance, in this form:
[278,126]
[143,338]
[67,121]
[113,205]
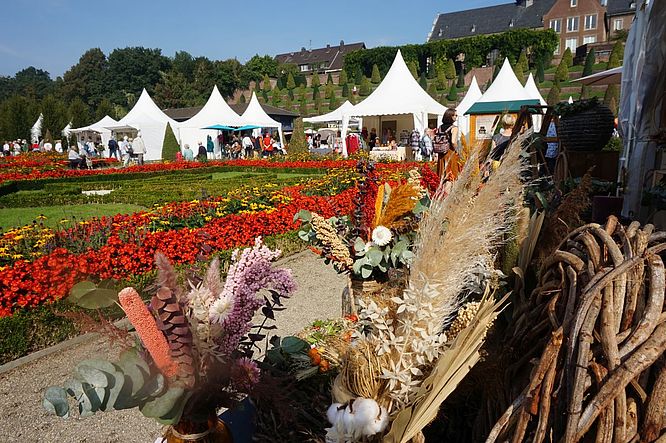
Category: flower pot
[357,289]
[187,431]
[587,130]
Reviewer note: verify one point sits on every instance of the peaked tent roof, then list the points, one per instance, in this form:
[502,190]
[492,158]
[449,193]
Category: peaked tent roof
[472,96]
[505,87]
[333,116]
[97,126]
[144,110]
[215,111]
[398,93]
[532,90]
[255,115]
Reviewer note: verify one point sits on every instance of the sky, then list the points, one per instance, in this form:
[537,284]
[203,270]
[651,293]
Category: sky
[53,34]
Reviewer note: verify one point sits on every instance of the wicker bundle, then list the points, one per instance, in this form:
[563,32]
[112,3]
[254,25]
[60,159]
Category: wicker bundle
[597,328]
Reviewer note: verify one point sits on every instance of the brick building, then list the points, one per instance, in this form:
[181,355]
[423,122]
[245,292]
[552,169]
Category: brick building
[577,22]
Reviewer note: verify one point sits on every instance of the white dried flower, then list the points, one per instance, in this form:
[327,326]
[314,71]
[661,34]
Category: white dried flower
[381,235]
[221,308]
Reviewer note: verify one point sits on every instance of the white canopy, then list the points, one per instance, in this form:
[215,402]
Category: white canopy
[36,130]
[100,127]
[146,117]
[216,111]
[533,92]
[609,77]
[333,116]
[399,93]
[473,94]
[505,87]
[66,130]
[255,115]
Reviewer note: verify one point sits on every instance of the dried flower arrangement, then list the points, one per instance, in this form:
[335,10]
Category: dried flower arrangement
[195,347]
[379,235]
[413,345]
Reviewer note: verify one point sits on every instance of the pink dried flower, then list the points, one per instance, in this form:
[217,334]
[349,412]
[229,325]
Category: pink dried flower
[245,374]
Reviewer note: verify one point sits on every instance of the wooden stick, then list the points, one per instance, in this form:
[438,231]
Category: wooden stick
[653,422]
[544,406]
[504,419]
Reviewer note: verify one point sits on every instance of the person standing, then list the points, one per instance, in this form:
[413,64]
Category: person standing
[188,154]
[210,148]
[248,146]
[114,148]
[500,141]
[425,147]
[201,152]
[268,145]
[372,139]
[449,130]
[139,148]
[415,144]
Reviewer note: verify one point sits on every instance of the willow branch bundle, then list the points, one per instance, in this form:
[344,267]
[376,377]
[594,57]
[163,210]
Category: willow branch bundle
[603,289]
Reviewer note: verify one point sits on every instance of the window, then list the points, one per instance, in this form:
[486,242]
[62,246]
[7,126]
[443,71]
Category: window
[557,48]
[574,3]
[572,24]
[571,43]
[591,21]
[589,39]
[304,68]
[556,25]
[618,24]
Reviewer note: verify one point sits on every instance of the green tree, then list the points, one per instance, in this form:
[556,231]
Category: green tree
[584,92]
[301,92]
[450,71]
[55,114]
[170,145]
[287,104]
[612,97]
[342,80]
[453,93]
[105,108]
[562,72]
[260,65]
[302,107]
[132,69]
[518,71]
[33,83]
[345,90]
[227,77]
[88,79]
[376,76]
[183,63]
[317,104]
[329,79]
[315,94]
[423,81]
[314,81]
[297,144]
[540,71]
[17,115]
[266,84]
[589,63]
[567,57]
[205,74]
[78,113]
[432,90]
[333,102]
[364,88]
[276,96]
[291,83]
[523,62]
[242,99]
[174,91]
[461,80]
[553,95]
[329,90]
[413,68]
[358,75]
[616,55]
[441,80]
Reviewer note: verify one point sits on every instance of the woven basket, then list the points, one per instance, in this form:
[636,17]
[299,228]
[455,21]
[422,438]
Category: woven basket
[356,290]
[588,130]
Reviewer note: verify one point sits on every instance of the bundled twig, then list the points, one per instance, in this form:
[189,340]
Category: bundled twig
[600,299]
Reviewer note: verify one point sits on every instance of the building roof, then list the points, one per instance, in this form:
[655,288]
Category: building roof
[182,114]
[620,7]
[490,20]
[331,57]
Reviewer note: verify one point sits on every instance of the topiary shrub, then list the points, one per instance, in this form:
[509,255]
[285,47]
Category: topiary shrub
[342,80]
[170,146]
[567,57]
[553,95]
[297,144]
[364,89]
[453,93]
[616,56]
[376,77]
[562,72]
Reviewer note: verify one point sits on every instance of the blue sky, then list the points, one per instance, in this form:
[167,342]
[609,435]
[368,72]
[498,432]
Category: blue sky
[53,34]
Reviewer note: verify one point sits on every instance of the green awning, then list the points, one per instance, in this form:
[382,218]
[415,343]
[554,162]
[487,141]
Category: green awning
[499,107]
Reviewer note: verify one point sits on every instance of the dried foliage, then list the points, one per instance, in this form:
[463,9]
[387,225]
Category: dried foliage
[118,337]
[400,204]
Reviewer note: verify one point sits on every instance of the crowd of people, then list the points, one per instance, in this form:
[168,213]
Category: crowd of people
[235,147]
[16,147]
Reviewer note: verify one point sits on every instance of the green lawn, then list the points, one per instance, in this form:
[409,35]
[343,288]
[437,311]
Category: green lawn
[14,217]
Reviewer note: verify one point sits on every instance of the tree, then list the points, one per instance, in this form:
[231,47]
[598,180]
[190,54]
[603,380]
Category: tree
[540,71]
[301,92]
[329,79]
[441,79]
[78,114]
[432,90]
[329,90]
[461,80]
[358,75]
[450,71]
[518,71]
[105,108]
[584,92]
[523,62]
[205,74]
[553,95]
[133,69]
[423,81]
[242,99]
[413,68]
[174,91]
[589,63]
[33,83]
[170,145]
[276,96]
[261,65]
[88,79]
[55,114]
[297,144]
[345,90]
[291,83]
[17,116]
[567,57]
[288,104]
[616,55]
[314,82]
[303,106]
[342,80]
[562,72]
[376,76]
[266,84]
[364,88]
[612,97]
[333,102]
[315,94]
[227,77]
[453,93]
[183,63]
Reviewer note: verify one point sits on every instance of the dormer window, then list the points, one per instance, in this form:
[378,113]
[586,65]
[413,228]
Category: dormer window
[511,24]
[632,5]
[473,28]
[441,32]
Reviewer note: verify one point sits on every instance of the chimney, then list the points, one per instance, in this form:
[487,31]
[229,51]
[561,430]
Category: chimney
[342,43]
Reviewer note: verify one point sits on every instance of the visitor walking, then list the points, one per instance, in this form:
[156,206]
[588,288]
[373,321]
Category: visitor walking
[139,148]
[201,153]
[449,131]
[113,149]
[248,146]
[500,141]
[210,148]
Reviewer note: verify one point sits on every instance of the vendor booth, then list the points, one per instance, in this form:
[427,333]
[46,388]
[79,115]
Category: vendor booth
[505,95]
[533,92]
[98,132]
[216,115]
[398,104]
[146,117]
[255,116]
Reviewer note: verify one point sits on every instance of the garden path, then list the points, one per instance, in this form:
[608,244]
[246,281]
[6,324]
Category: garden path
[22,418]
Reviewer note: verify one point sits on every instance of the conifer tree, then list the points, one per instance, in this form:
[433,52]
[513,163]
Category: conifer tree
[441,80]
[616,55]
[170,145]
[287,104]
[562,72]
[450,71]
[291,83]
[540,71]
[461,80]
[329,90]
[345,90]
[584,92]
[266,86]
[413,68]
[554,95]
[303,106]
[333,102]
[432,90]
[358,75]
[423,81]
[298,143]
[364,89]
[567,57]
[589,63]
[523,62]
[242,99]
[276,96]
[315,94]
[452,97]
[376,77]
[314,83]
[329,79]
[518,71]
[612,94]
[342,80]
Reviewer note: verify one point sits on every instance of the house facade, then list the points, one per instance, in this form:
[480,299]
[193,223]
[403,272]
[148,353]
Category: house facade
[320,60]
[577,22]
[619,15]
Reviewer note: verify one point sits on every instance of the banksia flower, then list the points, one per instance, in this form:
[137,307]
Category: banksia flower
[146,327]
[465,316]
[329,237]
[176,328]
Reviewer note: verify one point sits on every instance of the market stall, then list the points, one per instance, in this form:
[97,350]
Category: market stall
[98,132]
[255,115]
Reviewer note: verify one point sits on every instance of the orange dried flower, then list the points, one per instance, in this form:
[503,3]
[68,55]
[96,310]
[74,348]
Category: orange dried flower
[145,325]
[324,366]
[315,357]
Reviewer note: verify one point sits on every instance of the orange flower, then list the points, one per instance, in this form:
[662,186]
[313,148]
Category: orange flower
[152,338]
[315,357]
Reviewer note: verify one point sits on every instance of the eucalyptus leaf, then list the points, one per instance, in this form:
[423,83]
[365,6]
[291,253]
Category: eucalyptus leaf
[366,271]
[55,401]
[303,235]
[89,402]
[359,247]
[163,404]
[135,369]
[79,290]
[153,387]
[173,416]
[374,256]
[292,345]
[98,298]
[304,215]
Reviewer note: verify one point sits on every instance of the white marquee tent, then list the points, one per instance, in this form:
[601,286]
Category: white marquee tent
[100,127]
[506,87]
[473,94]
[333,116]
[216,111]
[36,130]
[146,117]
[399,93]
[533,93]
[255,115]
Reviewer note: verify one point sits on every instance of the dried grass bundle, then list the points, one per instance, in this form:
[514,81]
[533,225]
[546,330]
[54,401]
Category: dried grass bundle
[379,204]
[400,203]
[361,371]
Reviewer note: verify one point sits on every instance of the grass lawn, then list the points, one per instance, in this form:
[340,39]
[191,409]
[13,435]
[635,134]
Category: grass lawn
[14,217]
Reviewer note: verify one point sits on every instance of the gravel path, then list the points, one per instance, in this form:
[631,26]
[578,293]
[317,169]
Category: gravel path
[22,418]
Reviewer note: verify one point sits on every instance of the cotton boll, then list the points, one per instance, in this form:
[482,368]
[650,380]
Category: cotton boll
[369,417]
[334,413]
[379,424]
[348,419]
